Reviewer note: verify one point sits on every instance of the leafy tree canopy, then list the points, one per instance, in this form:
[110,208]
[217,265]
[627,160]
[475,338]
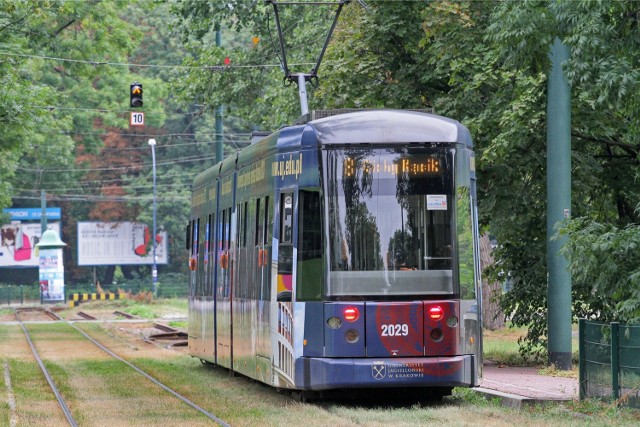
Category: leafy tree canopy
[485,64]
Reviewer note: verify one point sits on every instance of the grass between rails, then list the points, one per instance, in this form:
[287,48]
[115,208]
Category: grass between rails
[98,390]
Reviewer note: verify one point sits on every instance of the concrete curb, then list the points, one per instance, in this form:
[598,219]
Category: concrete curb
[515,401]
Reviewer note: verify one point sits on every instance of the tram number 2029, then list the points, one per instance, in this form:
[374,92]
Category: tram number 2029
[394,330]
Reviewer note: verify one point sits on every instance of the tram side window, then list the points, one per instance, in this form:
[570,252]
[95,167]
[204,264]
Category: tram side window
[188,237]
[223,257]
[194,239]
[222,230]
[268,231]
[243,284]
[210,233]
[242,225]
[310,221]
[209,246]
[310,272]
[265,233]
[466,270]
[259,220]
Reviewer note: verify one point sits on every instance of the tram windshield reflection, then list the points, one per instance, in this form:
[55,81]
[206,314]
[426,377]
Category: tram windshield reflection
[390,213]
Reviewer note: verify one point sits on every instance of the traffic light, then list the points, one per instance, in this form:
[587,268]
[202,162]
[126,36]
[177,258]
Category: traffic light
[135,94]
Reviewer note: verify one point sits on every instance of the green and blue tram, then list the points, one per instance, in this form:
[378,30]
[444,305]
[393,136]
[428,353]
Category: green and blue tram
[341,253]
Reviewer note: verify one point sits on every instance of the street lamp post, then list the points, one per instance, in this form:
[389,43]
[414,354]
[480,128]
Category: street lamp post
[154,271]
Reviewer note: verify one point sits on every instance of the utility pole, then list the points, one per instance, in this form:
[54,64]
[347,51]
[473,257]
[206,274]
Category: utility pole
[43,215]
[558,208]
[154,270]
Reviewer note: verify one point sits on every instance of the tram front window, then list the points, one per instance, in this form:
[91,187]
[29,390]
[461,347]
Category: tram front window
[390,213]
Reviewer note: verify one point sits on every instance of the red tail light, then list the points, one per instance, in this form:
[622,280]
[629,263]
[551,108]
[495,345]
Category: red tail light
[351,314]
[436,312]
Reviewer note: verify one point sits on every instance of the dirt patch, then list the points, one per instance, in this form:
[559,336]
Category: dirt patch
[7,317]
[35,315]
[141,333]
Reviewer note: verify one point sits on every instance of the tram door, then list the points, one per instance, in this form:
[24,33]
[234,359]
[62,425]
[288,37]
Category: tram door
[208,322]
[283,351]
[262,242]
[224,289]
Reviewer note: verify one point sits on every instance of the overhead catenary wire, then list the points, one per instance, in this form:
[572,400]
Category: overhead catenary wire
[135,166]
[99,198]
[120,64]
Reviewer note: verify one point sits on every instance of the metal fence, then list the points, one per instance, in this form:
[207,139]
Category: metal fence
[17,294]
[169,287]
[610,362]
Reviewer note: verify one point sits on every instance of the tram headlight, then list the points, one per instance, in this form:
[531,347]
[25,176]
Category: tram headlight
[352,336]
[334,322]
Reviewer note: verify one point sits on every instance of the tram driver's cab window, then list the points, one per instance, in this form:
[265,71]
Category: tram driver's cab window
[285,248]
[390,221]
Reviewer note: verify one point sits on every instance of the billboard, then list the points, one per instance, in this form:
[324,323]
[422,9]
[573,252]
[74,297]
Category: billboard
[33,214]
[18,243]
[119,243]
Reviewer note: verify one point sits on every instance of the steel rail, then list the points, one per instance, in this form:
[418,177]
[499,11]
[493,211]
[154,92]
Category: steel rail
[63,404]
[150,378]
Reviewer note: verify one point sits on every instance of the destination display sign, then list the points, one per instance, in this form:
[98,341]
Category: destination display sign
[414,166]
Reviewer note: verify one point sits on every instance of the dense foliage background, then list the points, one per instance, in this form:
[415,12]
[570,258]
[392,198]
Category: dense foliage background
[66,66]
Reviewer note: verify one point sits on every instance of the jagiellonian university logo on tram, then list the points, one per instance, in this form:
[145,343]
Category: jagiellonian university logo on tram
[378,370]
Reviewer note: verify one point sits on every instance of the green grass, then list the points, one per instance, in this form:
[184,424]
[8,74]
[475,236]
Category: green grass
[501,346]
[179,324]
[144,311]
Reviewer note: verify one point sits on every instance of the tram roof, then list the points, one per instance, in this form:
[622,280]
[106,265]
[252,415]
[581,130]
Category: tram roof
[339,127]
[384,126]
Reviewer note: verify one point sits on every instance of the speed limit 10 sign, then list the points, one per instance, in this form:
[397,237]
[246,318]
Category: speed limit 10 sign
[137,118]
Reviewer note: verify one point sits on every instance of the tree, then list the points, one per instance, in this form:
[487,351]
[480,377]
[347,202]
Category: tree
[485,64]
[62,88]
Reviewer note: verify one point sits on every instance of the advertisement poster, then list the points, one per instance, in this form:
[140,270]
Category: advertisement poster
[119,243]
[18,243]
[51,272]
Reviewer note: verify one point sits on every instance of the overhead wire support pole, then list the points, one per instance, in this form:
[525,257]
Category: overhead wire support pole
[154,268]
[302,91]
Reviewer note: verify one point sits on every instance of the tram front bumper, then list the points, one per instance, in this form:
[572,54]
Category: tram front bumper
[333,373]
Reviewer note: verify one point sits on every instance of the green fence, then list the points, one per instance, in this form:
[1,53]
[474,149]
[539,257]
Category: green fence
[610,362]
[170,285]
[19,294]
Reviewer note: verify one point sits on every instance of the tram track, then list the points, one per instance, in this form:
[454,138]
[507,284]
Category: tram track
[55,388]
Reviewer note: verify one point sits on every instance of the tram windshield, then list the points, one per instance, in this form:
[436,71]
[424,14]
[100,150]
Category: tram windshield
[390,221]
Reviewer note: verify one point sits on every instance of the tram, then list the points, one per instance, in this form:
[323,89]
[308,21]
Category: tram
[341,253]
